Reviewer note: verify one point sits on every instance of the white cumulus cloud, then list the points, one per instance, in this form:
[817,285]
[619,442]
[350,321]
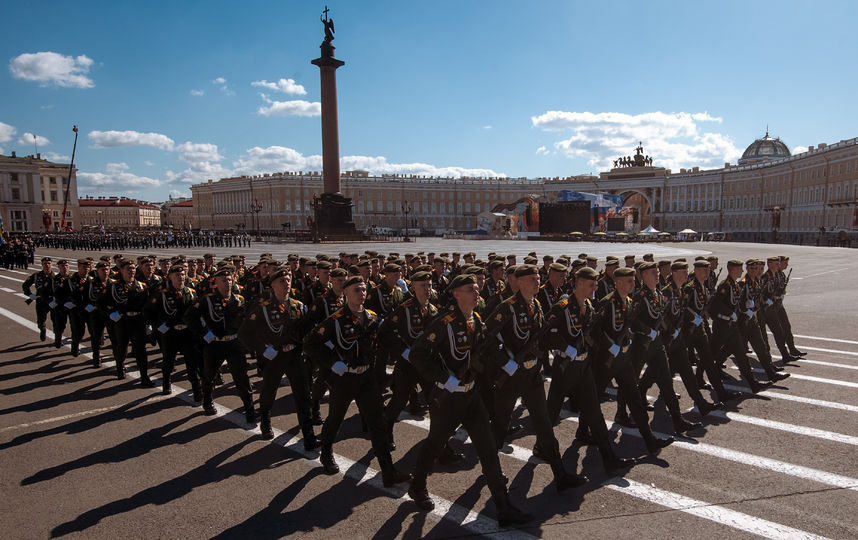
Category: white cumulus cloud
[674,140]
[27,139]
[115,178]
[57,158]
[220,82]
[259,160]
[198,92]
[203,161]
[297,107]
[542,151]
[287,86]
[193,152]
[176,193]
[6,132]
[50,68]
[110,139]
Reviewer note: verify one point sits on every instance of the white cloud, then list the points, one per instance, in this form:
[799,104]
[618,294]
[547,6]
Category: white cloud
[115,178]
[110,139]
[50,68]
[297,107]
[220,82]
[57,158]
[203,163]
[798,149]
[487,127]
[6,132]
[287,86]
[27,139]
[673,140]
[176,194]
[149,163]
[46,107]
[194,152]
[259,160]
[198,92]
[542,151]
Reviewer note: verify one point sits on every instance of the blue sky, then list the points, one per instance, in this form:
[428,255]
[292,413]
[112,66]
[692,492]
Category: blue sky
[167,94]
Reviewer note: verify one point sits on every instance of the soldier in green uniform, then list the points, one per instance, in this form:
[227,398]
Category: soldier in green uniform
[94,289]
[516,324]
[61,301]
[274,329]
[345,343]
[77,315]
[569,338]
[726,336]
[165,312]
[648,346]
[749,302]
[612,334]
[123,301]
[382,300]
[216,317]
[324,306]
[443,356]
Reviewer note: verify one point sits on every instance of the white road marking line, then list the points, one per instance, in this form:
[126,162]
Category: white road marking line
[814,362]
[791,397]
[444,509]
[19,272]
[799,376]
[674,501]
[847,341]
[12,279]
[822,273]
[59,418]
[833,351]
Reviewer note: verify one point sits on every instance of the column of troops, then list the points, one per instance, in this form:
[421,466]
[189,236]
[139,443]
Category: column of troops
[465,338]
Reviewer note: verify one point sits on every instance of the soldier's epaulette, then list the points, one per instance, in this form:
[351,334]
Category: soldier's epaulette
[448,318]
[298,303]
[510,300]
[565,302]
[371,314]
[408,303]
[338,313]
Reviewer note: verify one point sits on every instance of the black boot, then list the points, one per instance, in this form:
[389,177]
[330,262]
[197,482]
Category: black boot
[681,425]
[58,342]
[449,456]
[418,492]
[43,333]
[96,360]
[166,386]
[326,458]
[120,371]
[391,444]
[654,444]
[145,381]
[565,480]
[583,435]
[509,514]
[265,425]
[624,419]
[250,413]
[705,407]
[196,391]
[774,376]
[311,442]
[75,349]
[611,462]
[797,353]
[208,405]
[390,476]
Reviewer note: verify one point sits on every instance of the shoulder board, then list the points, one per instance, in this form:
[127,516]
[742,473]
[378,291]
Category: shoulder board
[565,301]
[298,303]
[510,300]
[448,318]
[371,313]
[408,303]
[338,313]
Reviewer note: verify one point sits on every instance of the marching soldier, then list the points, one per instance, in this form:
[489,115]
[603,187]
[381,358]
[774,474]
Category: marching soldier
[569,337]
[124,301]
[91,298]
[274,329]
[612,334]
[606,281]
[648,346]
[749,302]
[61,301]
[42,281]
[382,300]
[345,343]
[164,312]
[443,356]
[77,315]
[215,317]
[516,324]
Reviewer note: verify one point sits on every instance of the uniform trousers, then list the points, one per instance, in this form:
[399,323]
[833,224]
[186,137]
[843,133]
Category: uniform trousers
[657,371]
[577,377]
[174,341]
[750,332]
[133,330]
[362,388]
[727,340]
[290,364]
[677,355]
[527,384]
[214,355]
[95,323]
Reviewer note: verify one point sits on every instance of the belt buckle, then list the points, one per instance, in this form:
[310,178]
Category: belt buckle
[467,387]
[581,357]
[626,348]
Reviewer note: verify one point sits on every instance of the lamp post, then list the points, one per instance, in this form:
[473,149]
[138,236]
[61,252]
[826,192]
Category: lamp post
[256,207]
[405,210]
[316,204]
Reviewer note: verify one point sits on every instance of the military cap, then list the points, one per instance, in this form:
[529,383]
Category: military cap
[663,262]
[292,258]
[280,271]
[105,258]
[591,258]
[361,258]
[751,262]
[495,264]
[556,267]
[680,259]
[445,254]
[311,262]
[701,264]
[409,256]
[456,254]
[510,270]
[530,260]
[90,259]
[547,258]
[582,255]
[510,256]
[526,270]
[578,263]
[176,268]
[784,258]
[480,262]
[117,257]
[209,256]
[339,272]
[224,270]
[712,258]
[734,263]
[438,260]
[647,265]
[773,258]
[364,262]
[638,264]
[629,257]
[125,262]
[461,280]
[471,254]
[678,265]
[532,254]
[392,268]
[102,264]
[648,256]
[624,272]
[587,273]
[354,280]
[611,259]
[474,270]
[199,261]
[63,261]
[423,268]
[421,276]
[324,265]
[700,258]
[83,261]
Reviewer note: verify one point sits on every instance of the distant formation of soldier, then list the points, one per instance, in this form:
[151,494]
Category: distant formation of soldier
[466,338]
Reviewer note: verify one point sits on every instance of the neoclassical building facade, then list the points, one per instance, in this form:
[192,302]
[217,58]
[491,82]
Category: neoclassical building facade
[770,193]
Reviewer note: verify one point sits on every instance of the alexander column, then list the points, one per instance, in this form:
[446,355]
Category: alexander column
[333,210]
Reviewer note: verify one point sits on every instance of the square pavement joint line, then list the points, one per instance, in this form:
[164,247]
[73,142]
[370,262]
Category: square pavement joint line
[444,509]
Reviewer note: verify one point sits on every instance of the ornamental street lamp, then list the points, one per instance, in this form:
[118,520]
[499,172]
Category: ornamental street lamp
[405,210]
[256,207]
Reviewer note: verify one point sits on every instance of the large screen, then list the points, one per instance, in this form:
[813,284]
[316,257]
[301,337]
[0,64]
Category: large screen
[564,217]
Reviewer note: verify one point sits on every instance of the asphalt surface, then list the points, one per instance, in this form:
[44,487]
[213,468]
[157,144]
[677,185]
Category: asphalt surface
[84,455]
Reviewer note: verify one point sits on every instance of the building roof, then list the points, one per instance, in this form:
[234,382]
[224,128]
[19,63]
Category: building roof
[183,204]
[765,148]
[115,202]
